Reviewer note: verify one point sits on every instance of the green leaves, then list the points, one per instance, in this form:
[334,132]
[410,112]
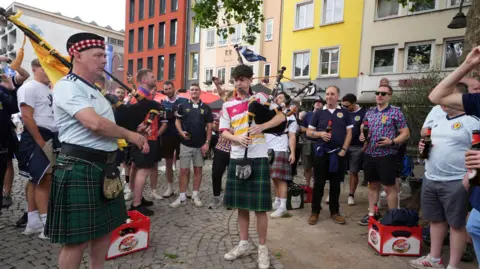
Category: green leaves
[223,14]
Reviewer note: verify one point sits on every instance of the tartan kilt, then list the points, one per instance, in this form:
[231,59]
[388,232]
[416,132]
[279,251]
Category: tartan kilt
[77,209]
[253,194]
[281,168]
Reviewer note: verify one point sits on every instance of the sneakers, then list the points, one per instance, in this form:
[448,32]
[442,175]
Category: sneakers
[237,252]
[263,259]
[154,194]
[426,262]
[146,202]
[276,204]
[22,222]
[7,201]
[351,200]
[168,192]
[215,203]
[35,228]
[327,200]
[279,213]
[43,236]
[196,201]
[313,219]
[142,209]
[178,203]
[338,219]
[364,221]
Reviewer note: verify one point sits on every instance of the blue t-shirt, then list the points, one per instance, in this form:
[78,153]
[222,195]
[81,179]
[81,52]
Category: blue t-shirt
[357,119]
[170,109]
[341,121]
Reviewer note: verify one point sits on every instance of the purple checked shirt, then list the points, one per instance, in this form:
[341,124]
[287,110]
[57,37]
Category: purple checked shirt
[385,123]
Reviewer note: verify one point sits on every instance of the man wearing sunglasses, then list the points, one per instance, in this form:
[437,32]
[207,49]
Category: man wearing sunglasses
[380,160]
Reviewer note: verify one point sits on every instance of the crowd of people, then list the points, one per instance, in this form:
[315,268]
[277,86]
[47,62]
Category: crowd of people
[68,150]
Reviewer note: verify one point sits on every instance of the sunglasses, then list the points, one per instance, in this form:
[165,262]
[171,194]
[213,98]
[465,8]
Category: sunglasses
[381,93]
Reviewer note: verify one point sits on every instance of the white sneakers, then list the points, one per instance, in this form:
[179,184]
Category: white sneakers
[169,191]
[351,200]
[242,249]
[196,201]
[178,202]
[276,204]
[279,212]
[33,228]
[154,194]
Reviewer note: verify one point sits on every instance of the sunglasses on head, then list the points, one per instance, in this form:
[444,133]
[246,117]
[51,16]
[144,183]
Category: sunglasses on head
[381,93]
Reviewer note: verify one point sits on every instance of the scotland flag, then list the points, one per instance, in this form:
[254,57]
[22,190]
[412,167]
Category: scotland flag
[250,55]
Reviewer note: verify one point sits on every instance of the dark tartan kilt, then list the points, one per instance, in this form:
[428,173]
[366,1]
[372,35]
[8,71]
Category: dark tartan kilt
[77,209]
[253,194]
[281,168]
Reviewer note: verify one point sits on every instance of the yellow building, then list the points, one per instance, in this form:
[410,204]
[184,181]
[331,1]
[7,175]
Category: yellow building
[320,42]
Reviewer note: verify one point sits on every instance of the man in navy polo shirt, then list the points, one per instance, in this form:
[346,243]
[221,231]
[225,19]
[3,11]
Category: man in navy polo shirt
[332,126]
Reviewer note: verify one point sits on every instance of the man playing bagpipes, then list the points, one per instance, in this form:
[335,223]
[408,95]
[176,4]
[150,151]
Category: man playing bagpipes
[248,188]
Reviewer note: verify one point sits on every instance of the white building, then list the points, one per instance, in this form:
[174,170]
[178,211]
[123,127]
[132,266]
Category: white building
[55,29]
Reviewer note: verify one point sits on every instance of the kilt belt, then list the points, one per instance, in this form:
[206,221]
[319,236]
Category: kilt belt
[89,154]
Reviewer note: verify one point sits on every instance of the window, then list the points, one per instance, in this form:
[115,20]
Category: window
[384,59]
[237,35]
[387,8]
[150,63]
[131,40]
[194,65]
[221,41]
[210,38]
[141,9]
[163,7]
[418,56]
[130,67]
[422,6]
[452,54]
[150,36]
[160,67]
[172,62]
[139,64]
[174,5]
[140,39]
[221,73]
[332,11]
[161,34]
[120,43]
[329,59]
[457,2]
[151,8]
[173,32]
[304,15]
[132,11]
[266,70]
[269,30]
[231,72]
[195,37]
[208,74]
[301,62]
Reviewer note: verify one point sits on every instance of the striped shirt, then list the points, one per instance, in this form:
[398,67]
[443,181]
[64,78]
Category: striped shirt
[223,144]
[234,116]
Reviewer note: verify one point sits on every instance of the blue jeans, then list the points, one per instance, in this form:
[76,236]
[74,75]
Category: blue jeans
[473,228]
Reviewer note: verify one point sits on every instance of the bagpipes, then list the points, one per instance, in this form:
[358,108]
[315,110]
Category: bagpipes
[127,116]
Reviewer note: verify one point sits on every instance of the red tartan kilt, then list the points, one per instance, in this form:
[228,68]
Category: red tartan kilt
[281,168]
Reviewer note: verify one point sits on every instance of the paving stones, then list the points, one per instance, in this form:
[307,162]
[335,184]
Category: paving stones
[182,238]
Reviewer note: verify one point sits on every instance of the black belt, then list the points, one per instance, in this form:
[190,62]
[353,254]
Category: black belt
[88,154]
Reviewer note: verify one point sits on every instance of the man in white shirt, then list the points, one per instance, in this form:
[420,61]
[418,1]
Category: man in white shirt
[35,103]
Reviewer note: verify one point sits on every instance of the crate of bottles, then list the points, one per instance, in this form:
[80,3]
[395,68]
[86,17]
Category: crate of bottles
[131,237]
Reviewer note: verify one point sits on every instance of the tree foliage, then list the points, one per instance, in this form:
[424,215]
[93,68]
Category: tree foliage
[223,14]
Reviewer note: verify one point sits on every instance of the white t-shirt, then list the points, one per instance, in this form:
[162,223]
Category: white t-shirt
[435,113]
[451,138]
[38,96]
[279,143]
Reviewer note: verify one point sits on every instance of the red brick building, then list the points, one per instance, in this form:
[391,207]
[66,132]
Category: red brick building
[155,39]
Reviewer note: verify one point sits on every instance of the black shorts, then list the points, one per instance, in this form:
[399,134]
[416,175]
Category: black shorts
[400,155]
[381,169]
[145,160]
[170,144]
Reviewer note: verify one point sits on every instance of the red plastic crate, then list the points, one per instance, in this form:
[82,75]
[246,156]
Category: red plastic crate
[394,240]
[130,237]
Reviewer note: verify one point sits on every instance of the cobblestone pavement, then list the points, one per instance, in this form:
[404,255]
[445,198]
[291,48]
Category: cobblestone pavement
[197,237]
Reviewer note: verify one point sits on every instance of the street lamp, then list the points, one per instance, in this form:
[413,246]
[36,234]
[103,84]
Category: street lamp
[460,20]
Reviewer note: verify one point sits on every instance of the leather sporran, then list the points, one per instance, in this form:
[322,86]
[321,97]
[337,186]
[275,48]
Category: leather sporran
[111,185]
[243,169]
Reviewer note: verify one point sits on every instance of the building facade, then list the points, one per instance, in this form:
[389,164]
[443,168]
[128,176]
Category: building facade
[320,42]
[155,39]
[400,43]
[192,55]
[56,29]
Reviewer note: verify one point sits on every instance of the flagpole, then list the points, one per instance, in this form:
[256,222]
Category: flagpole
[237,49]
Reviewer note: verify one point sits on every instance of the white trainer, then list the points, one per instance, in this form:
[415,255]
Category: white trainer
[43,236]
[237,252]
[263,259]
[154,194]
[35,228]
[327,200]
[279,213]
[197,201]
[351,200]
[276,204]
[168,192]
[178,203]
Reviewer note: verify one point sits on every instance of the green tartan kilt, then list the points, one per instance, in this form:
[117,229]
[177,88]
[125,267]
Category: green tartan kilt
[253,194]
[77,209]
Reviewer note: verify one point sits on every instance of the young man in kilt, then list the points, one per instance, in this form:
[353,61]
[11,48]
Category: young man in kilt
[79,214]
[254,193]
[280,169]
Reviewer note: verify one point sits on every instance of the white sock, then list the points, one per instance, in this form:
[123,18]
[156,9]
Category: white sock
[435,259]
[277,200]
[194,194]
[451,267]
[33,217]
[43,217]
[243,243]
[370,214]
[183,196]
[283,203]
[170,186]
[26,207]
[262,246]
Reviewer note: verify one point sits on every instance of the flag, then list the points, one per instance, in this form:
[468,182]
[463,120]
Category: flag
[250,55]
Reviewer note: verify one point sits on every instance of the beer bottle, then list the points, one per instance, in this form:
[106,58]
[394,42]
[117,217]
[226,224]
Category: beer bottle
[365,130]
[473,174]
[329,127]
[428,144]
